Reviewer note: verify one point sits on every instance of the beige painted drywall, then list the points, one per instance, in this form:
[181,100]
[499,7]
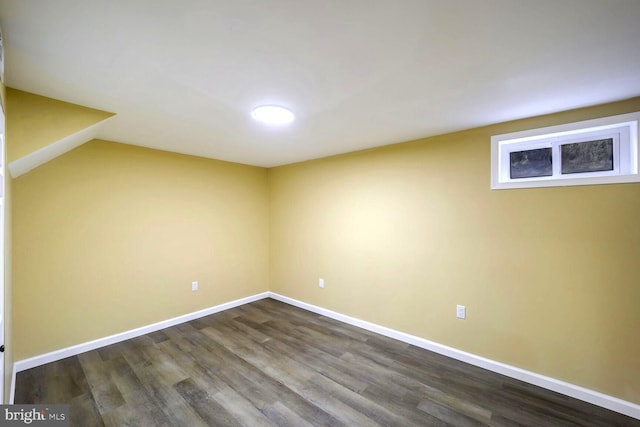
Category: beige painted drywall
[40,121]
[403,233]
[109,237]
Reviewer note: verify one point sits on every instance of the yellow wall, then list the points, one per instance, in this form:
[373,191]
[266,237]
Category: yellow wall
[43,121]
[109,237]
[403,233]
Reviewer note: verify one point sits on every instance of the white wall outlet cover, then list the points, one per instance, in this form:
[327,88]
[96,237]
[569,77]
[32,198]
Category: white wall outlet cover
[194,286]
[461,312]
[321,283]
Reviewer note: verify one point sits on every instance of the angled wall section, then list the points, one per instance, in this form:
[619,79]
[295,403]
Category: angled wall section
[40,129]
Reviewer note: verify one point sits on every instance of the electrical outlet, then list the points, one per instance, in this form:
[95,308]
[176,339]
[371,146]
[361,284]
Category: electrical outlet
[461,312]
[194,286]
[321,283]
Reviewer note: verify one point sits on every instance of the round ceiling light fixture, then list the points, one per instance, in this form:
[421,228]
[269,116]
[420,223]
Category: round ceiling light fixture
[272,114]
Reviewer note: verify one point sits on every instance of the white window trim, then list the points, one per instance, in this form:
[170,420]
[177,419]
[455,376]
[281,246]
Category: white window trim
[623,129]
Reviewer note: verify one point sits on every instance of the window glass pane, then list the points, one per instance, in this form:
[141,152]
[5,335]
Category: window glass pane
[588,156]
[531,163]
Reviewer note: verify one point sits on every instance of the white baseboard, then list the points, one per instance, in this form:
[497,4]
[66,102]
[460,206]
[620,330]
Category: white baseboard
[600,399]
[32,362]
[571,390]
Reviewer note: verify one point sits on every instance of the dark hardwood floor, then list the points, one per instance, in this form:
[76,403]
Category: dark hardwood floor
[268,363]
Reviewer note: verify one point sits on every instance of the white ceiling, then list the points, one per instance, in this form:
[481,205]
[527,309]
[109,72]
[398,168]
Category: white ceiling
[183,75]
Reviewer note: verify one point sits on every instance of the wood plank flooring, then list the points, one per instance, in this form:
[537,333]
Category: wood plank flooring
[271,364]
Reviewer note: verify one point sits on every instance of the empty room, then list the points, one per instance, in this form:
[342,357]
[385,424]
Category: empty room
[320,213]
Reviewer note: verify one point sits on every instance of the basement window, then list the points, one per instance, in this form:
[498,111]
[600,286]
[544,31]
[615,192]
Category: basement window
[600,151]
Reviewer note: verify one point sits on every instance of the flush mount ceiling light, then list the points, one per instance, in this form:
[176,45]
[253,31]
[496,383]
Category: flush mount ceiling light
[272,114]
